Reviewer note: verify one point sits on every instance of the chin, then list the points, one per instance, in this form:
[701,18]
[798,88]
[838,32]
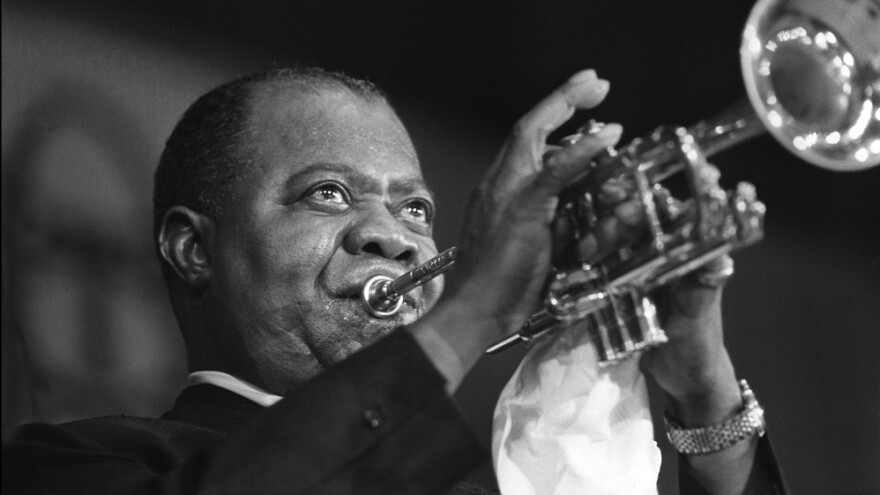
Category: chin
[350,314]
[345,350]
[355,339]
[347,328]
[374,329]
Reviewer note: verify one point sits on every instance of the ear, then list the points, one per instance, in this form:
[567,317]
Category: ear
[184,242]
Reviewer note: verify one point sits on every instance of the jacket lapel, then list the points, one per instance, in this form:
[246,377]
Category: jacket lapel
[211,407]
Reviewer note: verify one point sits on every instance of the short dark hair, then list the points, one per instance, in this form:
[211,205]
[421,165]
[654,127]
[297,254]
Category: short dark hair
[208,150]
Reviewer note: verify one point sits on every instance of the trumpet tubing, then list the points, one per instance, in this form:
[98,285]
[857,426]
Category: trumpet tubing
[812,71]
[812,74]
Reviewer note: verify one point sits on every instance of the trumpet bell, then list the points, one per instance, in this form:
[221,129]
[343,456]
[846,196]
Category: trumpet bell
[812,73]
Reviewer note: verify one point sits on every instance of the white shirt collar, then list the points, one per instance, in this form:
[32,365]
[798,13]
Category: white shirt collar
[235,385]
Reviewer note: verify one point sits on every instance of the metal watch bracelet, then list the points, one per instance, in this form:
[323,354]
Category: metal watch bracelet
[747,424]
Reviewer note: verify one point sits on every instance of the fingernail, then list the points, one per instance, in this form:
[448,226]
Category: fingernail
[600,86]
[583,76]
[611,191]
[630,213]
[610,132]
[613,185]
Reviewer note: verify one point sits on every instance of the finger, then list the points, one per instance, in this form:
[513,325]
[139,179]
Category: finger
[582,90]
[691,295]
[563,230]
[585,148]
[587,249]
[630,213]
[562,167]
[550,149]
[614,192]
[608,235]
[715,273]
[525,148]
[624,228]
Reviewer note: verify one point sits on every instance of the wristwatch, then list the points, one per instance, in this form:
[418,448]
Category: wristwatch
[747,424]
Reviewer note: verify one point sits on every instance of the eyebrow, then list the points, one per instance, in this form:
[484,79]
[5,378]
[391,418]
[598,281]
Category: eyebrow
[359,179]
[408,186]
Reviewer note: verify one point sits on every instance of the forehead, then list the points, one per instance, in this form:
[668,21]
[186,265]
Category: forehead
[295,129]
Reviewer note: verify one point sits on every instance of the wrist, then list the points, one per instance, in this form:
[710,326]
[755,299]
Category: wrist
[747,423]
[695,370]
[702,394]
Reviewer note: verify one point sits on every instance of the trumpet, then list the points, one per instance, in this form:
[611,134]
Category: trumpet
[812,74]
[382,296]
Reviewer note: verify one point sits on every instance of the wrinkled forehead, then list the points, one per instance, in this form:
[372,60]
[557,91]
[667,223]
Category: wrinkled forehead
[333,125]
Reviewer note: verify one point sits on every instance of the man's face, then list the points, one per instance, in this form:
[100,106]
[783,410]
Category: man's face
[336,196]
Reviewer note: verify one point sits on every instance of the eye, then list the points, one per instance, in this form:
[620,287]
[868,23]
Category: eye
[419,211]
[328,195]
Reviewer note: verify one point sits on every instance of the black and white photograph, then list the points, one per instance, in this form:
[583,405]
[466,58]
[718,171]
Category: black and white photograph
[466,248]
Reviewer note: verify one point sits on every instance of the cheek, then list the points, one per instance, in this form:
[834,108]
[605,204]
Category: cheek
[292,261]
[274,265]
[299,237]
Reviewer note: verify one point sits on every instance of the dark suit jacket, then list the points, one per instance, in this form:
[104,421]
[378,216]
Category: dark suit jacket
[380,422]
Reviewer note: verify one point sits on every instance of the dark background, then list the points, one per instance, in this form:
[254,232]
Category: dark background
[91,89]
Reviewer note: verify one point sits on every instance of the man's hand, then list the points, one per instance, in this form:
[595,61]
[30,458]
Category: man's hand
[506,245]
[697,375]
[505,257]
[693,368]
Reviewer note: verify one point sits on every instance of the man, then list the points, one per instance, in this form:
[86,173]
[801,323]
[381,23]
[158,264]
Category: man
[277,196]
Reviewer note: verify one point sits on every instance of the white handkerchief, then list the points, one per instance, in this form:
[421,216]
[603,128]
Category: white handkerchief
[563,425]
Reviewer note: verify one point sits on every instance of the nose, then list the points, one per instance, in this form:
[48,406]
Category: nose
[377,231]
